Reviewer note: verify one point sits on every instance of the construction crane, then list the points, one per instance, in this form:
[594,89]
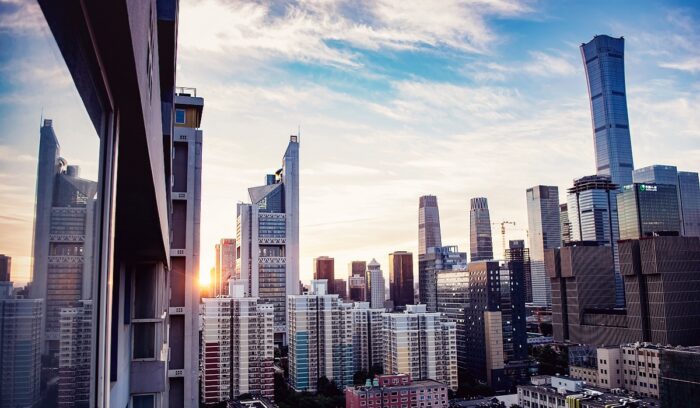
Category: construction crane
[503,232]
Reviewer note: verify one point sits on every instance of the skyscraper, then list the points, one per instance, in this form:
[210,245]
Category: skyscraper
[368,337]
[225,268]
[428,224]
[5,268]
[377,284]
[320,339]
[594,217]
[186,197]
[401,279]
[648,209]
[603,59]
[20,349]
[480,242]
[357,281]
[406,351]
[430,265]
[74,373]
[518,257]
[64,218]
[544,231]
[237,347]
[324,268]
[565,222]
[688,190]
[267,238]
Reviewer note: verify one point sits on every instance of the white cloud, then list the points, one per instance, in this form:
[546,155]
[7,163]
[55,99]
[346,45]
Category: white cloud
[21,17]
[544,64]
[691,65]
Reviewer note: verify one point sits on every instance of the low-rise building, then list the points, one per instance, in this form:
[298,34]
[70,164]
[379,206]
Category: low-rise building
[397,391]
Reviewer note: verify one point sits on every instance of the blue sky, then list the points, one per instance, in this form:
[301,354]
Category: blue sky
[395,99]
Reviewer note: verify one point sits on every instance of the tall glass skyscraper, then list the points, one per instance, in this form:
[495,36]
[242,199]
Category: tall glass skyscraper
[480,242]
[428,224]
[648,209]
[544,233]
[603,59]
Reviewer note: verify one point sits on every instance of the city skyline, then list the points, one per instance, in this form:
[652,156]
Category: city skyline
[481,68]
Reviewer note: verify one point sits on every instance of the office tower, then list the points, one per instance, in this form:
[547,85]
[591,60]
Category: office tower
[495,340]
[324,268]
[679,377]
[565,223]
[437,259]
[688,190]
[428,224]
[378,393]
[452,301]
[128,92]
[582,279]
[186,193]
[358,289]
[420,344]
[225,268]
[544,232]
[518,257]
[64,218]
[662,277]
[648,209]
[594,218]
[20,349]
[267,238]
[340,288]
[237,347]
[480,242]
[604,63]
[376,283]
[367,337]
[5,268]
[75,356]
[320,339]
[401,279]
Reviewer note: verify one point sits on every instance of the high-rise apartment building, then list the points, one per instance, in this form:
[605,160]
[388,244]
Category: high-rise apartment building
[5,268]
[565,223]
[237,347]
[367,337]
[324,268]
[544,231]
[20,349]
[452,301]
[593,214]
[267,238]
[64,218]
[604,63]
[357,281]
[377,284]
[320,339]
[186,197]
[428,224]
[225,266]
[518,257]
[437,259]
[480,242]
[688,190]
[75,356]
[420,344]
[401,279]
[648,209]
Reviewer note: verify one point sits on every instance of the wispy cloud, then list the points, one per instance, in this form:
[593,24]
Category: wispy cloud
[21,17]
[544,64]
[691,65]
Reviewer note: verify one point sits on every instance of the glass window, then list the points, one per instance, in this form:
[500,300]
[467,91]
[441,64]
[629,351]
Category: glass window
[143,401]
[179,116]
[144,340]
[144,292]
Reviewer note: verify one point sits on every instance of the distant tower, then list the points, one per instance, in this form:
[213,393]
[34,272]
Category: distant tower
[324,268]
[428,224]
[357,281]
[267,242]
[375,279]
[5,268]
[401,279]
[225,266]
[480,242]
[544,232]
[604,63]
[565,222]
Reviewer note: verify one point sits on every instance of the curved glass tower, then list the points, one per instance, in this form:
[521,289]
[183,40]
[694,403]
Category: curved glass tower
[603,59]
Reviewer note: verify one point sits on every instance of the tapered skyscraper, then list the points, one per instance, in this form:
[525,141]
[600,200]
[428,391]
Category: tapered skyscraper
[480,242]
[267,240]
[603,59]
[428,224]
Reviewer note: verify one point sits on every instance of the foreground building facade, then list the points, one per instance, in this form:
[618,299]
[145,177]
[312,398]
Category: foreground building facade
[397,391]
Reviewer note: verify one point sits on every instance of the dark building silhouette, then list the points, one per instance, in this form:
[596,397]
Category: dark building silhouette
[324,268]
[357,281]
[518,258]
[5,268]
[401,279]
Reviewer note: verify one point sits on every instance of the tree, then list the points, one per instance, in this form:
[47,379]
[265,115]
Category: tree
[360,377]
